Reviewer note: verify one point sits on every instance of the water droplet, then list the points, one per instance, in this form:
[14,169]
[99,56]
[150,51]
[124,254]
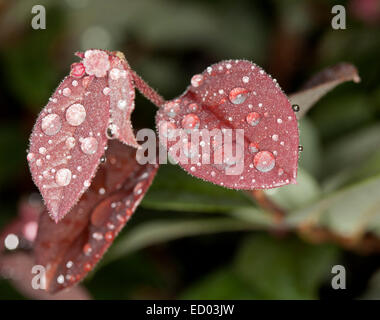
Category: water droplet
[193,107]
[300,148]
[102,191]
[30,157]
[171,109]
[238,95]
[264,161]
[74,83]
[86,183]
[111,131]
[42,150]
[11,241]
[63,177]
[197,80]
[296,107]
[103,159]
[279,120]
[275,137]
[97,236]
[190,121]
[122,104]
[106,91]
[89,145]
[253,147]
[51,124]
[253,118]
[69,264]
[109,236]
[87,249]
[114,74]
[245,79]
[66,92]
[75,114]
[77,70]
[70,142]
[138,188]
[60,279]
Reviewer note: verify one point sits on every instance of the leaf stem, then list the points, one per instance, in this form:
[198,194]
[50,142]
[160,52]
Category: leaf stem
[147,90]
[268,205]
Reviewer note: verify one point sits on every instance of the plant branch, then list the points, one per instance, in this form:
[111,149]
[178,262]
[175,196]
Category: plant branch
[268,205]
[147,90]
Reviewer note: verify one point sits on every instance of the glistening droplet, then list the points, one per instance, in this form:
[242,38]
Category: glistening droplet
[75,114]
[51,124]
[238,95]
[89,145]
[63,177]
[264,161]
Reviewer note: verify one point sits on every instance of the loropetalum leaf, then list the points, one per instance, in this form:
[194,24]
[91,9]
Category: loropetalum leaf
[18,267]
[71,248]
[322,83]
[234,94]
[91,105]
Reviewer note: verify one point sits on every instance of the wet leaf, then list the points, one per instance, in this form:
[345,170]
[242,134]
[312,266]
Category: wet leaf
[92,104]
[71,248]
[239,101]
[17,267]
[322,83]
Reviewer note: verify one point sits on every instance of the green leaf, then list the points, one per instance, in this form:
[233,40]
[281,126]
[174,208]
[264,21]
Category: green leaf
[156,232]
[174,189]
[321,83]
[284,268]
[348,212]
[298,195]
[354,155]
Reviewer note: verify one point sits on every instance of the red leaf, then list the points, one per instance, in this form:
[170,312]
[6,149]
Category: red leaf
[234,95]
[71,248]
[18,268]
[69,137]
[122,100]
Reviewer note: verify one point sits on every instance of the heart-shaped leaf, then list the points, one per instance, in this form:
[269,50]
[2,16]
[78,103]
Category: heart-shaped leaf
[70,249]
[92,104]
[241,121]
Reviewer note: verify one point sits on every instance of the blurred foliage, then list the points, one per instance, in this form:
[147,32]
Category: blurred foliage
[189,238]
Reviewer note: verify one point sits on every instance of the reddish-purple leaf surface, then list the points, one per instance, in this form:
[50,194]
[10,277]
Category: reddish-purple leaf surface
[90,106]
[71,248]
[234,94]
[17,267]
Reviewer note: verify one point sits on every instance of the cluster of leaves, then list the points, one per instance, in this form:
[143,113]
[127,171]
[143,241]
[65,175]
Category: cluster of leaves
[331,180]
